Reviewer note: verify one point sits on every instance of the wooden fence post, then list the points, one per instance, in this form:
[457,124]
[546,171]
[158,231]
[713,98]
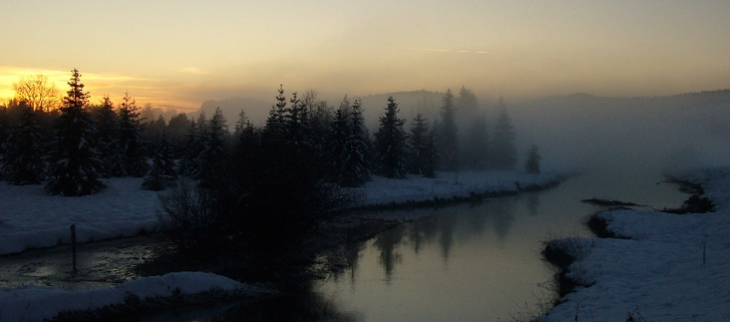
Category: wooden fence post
[73,245]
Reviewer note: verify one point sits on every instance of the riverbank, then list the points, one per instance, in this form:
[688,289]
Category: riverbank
[32,219]
[655,266]
[35,220]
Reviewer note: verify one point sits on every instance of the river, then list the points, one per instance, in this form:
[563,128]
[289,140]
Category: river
[469,262]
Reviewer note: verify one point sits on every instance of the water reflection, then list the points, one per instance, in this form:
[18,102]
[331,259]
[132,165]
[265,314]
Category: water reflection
[472,262]
[503,212]
[532,202]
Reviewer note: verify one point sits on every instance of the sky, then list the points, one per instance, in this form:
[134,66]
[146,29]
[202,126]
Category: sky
[179,53]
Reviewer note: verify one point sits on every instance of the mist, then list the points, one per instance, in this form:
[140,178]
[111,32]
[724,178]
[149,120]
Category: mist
[578,132]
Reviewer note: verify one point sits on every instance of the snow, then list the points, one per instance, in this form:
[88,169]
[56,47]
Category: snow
[446,185]
[30,218]
[34,303]
[665,267]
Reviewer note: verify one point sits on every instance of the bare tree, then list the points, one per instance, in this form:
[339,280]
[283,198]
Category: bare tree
[38,93]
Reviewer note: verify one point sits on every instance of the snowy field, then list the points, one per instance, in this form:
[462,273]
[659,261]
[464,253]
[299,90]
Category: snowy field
[29,218]
[664,267]
[38,304]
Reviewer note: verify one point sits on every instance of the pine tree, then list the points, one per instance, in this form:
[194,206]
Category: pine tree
[241,124]
[130,140]
[212,159]
[75,165]
[430,156]
[467,103]
[420,155]
[357,165]
[162,174]
[390,143]
[504,152]
[176,132]
[188,164]
[532,164]
[476,146]
[23,162]
[448,140]
[107,122]
[336,142]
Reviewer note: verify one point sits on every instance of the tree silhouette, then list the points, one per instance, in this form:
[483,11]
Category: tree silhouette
[420,142]
[448,140]
[532,164]
[162,174]
[357,165]
[23,161]
[130,139]
[75,164]
[390,143]
[107,122]
[504,152]
[38,93]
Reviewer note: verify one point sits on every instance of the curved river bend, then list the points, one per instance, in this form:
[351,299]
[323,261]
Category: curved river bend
[478,262]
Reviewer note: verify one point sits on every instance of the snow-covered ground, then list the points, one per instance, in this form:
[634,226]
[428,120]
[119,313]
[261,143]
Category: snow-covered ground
[29,218]
[382,191]
[664,267]
[38,303]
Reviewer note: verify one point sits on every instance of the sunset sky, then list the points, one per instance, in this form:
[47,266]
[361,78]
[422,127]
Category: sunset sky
[180,53]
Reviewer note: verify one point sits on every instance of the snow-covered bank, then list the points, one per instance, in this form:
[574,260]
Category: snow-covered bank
[34,303]
[29,218]
[448,185]
[661,267]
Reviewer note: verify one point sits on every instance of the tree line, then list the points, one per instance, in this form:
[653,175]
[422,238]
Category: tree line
[286,175]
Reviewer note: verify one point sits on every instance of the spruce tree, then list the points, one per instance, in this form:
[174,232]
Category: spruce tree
[532,164]
[420,149]
[336,142]
[107,123]
[357,165]
[212,159]
[176,132]
[23,162]
[504,152]
[188,163]
[241,124]
[390,143]
[130,140]
[448,140]
[430,156]
[162,174]
[75,165]
[476,145]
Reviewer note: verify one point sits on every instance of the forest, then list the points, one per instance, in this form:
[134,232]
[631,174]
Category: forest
[259,186]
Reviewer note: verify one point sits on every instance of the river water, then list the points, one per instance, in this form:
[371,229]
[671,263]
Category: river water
[469,262]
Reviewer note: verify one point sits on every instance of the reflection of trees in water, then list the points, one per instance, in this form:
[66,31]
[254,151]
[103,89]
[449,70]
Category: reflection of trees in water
[446,224]
[502,211]
[477,217]
[422,231]
[386,243]
[301,305]
[533,202]
[348,257]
